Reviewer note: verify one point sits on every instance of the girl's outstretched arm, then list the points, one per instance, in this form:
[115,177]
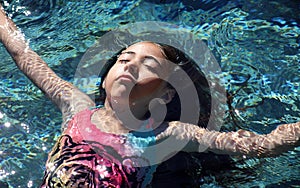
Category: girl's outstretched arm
[67,97]
[283,138]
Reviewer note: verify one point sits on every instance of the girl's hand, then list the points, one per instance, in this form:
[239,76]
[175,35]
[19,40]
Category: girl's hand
[66,96]
[7,27]
[283,138]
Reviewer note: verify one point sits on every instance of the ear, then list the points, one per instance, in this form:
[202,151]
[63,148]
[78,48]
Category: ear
[103,84]
[168,96]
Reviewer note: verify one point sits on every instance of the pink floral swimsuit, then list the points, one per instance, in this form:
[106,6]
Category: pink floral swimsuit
[86,157]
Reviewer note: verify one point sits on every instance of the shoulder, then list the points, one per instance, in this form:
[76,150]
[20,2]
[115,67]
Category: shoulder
[79,116]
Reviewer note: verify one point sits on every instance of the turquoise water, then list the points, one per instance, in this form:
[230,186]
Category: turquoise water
[255,42]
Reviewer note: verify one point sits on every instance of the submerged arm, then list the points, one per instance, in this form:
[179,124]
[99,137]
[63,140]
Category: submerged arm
[283,138]
[62,93]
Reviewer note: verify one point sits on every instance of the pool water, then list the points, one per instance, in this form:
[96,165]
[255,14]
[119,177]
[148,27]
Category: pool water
[256,44]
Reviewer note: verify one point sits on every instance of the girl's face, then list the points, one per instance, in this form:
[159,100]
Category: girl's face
[138,76]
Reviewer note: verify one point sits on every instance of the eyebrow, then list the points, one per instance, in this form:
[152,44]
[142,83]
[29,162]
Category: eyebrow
[128,52]
[147,57]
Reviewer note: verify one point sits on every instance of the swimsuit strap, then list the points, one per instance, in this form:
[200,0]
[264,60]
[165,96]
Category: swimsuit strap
[96,107]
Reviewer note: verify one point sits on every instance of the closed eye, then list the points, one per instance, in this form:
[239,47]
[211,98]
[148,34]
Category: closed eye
[123,61]
[151,64]
[152,69]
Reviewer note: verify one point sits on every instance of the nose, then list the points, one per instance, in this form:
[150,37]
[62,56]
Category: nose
[132,67]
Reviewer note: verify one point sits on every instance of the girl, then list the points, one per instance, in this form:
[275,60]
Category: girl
[99,147]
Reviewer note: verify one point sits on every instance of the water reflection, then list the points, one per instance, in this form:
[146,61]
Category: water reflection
[256,42]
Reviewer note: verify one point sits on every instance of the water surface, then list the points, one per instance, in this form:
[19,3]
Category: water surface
[255,42]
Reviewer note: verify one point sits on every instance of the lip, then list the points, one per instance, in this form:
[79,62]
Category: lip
[127,77]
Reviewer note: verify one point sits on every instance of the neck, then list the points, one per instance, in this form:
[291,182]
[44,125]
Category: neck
[128,115]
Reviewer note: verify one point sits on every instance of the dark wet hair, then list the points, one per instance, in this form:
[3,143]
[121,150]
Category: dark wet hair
[190,67]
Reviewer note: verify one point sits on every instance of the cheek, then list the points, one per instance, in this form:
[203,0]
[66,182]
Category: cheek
[110,77]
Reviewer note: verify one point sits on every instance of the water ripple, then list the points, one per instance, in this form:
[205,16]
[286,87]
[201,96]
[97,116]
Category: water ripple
[256,43]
